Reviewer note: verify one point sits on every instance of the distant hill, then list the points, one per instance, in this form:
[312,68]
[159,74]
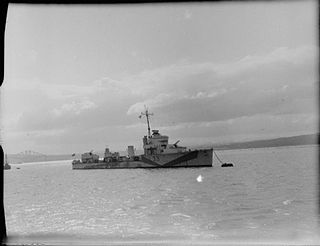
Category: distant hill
[310,139]
[277,142]
[23,158]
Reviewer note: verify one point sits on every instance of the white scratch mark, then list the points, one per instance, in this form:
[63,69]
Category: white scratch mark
[287,202]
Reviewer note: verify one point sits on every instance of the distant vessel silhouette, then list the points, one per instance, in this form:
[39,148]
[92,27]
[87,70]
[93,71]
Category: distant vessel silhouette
[6,165]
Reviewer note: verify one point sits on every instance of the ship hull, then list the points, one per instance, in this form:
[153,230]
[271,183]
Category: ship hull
[195,158]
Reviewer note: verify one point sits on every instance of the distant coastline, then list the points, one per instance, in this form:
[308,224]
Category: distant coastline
[22,158]
[310,139]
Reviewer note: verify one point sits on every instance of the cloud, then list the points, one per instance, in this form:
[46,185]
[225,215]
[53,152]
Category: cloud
[269,83]
[279,57]
[188,76]
[158,101]
[244,128]
[74,107]
[187,98]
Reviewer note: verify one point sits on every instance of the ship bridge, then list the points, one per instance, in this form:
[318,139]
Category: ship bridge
[156,143]
[159,144]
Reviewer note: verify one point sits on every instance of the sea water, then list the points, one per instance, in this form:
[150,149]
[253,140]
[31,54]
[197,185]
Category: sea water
[270,195]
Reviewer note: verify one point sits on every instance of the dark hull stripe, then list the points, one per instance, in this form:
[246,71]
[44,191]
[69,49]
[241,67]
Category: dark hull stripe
[191,155]
[181,161]
[187,157]
[148,161]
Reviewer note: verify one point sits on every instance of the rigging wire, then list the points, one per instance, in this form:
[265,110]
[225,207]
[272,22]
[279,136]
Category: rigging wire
[217,157]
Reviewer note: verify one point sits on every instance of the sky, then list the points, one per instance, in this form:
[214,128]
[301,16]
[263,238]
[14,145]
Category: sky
[77,77]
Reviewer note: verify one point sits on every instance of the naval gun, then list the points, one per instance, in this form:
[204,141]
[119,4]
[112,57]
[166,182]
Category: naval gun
[176,144]
[89,157]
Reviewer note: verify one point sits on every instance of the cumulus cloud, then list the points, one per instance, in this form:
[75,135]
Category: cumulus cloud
[190,77]
[279,57]
[244,128]
[158,101]
[74,107]
[186,98]
[267,83]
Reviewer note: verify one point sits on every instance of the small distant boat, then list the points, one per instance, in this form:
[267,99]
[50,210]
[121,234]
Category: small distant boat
[6,165]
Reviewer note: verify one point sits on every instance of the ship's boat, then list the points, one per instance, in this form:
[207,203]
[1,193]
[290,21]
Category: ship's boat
[6,165]
[158,153]
[227,165]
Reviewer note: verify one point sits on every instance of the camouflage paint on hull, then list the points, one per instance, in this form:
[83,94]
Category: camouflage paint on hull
[195,158]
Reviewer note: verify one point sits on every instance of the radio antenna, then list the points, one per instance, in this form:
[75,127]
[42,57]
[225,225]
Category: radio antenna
[147,114]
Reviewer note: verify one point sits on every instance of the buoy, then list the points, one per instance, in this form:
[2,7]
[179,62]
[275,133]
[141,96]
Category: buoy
[227,165]
[223,164]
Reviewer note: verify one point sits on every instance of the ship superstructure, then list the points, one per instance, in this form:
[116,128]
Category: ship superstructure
[158,153]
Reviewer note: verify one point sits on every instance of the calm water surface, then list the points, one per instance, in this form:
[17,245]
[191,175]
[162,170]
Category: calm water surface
[270,195]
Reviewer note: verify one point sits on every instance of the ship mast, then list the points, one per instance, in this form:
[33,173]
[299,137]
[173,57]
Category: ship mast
[147,114]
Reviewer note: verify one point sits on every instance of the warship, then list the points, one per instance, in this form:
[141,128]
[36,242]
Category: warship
[158,153]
